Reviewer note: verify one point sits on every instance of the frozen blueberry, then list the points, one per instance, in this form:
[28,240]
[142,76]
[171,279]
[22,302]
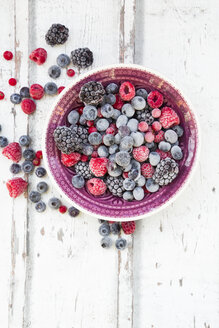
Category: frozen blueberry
[117,138]
[128,184]
[90,113]
[0,128]
[34,196]
[103,151]
[133,174]
[142,93]
[128,110]
[124,131]
[101,221]
[15,168]
[104,229]
[107,110]
[138,138]
[87,150]
[95,138]
[123,158]
[73,211]
[154,158]
[151,185]
[102,124]
[140,182]
[106,242]
[73,117]
[121,244]
[176,153]
[54,71]
[29,154]
[42,187]
[3,142]
[78,181]
[40,206]
[24,92]
[50,88]
[171,136]
[178,129]
[15,98]
[136,165]
[133,124]
[54,203]
[112,88]
[128,195]
[121,120]
[127,168]
[113,169]
[138,193]
[25,141]
[82,120]
[40,172]
[164,146]
[113,149]
[27,166]
[151,145]
[116,114]
[126,143]
[110,99]
[63,60]
[138,103]
[108,139]
[115,228]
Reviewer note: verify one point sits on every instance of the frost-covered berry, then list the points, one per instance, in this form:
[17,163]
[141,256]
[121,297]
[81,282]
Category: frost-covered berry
[110,99]
[78,181]
[106,242]
[151,145]
[140,182]
[171,136]
[142,93]
[42,187]
[124,131]
[73,211]
[27,167]
[54,203]
[138,193]
[128,110]
[24,141]
[133,124]
[15,168]
[118,138]
[154,158]
[128,184]
[113,149]
[15,98]
[164,146]
[108,139]
[113,170]
[34,196]
[123,158]
[138,138]
[40,206]
[121,120]
[25,92]
[126,143]
[151,185]
[116,114]
[87,150]
[63,60]
[178,129]
[50,88]
[104,229]
[112,88]
[121,243]
[176,153]
[107,110]
[3,141]
[40,172]
[128,195]
[115,228]
[73,117]
[138,103]
[103,151]
[102,124]
[90,113]
[95,138]
[133,174]
[54,72]
[82,120]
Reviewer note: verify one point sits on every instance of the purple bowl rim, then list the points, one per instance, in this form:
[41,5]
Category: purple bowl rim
[181,188]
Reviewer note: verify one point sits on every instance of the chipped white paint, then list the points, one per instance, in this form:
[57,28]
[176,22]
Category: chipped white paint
[53,272]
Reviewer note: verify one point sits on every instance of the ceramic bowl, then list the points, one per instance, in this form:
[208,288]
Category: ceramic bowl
[109,206]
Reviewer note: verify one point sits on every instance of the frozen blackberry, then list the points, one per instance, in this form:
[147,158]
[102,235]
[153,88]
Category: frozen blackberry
[144,115]
[69,140]
[92,93]
[57,34]
[166,171]
[82,57]
[115,185]
[82,168]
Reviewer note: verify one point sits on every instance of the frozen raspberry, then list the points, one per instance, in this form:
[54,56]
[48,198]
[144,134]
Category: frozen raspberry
[8,55]
[28,106]
[127,91]
[128,227]
[156,112]
[143,126]
[2,95]
[168,118]
[39,56]
[125,175]
[98,166]
[36,91]
[119,103]
[140,153]
[70,72]
[149,137]
[155,99]
[62,209]
[16,187]
[96,186]
[36,161]
[13,151]
[156,126]
[147,170]
[159,136]
[60,89]
[163,154]
[12,81]
[84,158]
[92,129]
[70,159]
[94,154]
[39,154]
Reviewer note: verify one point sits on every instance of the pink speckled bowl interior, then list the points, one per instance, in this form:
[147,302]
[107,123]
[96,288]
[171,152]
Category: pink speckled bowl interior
[108,205]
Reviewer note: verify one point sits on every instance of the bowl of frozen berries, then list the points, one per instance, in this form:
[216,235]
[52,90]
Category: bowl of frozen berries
[121,142]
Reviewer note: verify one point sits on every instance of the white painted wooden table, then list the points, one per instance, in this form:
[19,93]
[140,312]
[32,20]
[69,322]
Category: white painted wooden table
[53,274]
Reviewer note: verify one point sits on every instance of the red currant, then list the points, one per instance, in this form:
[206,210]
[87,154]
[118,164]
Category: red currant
[70,72]
[12,81]
[2,95]
[8,55]
[60,89]
[39,154]
[62,209]
[36,161]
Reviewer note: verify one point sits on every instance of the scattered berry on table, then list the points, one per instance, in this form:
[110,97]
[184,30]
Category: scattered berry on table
[92,93]
[73,211]
[24,141]
[2,95]
[3,141]
[15,168]
[166,171]
[121,244]
[106,242]
[60,89]
[57,34]
[36,161]
[13,151]
[115,228]
[40,172]
[39,154]
[128,227]
[50,88]
[62,209]
[78,181]
[27,167]
[42,187]
[104,229]
[82,57]
[29,154]
[70,72]
[176,153]
[54,71]
[34,196]
[8,55]
[127,91]
[63,60]
[25,92]
[142,93]
[70,159]
[54,203]
[16,187]
[28,106]
[40,206]
[147,170]
[155,99]
[156,112]
[96,186]
[39,56]
[12,81]
[36,91]
[15,98]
